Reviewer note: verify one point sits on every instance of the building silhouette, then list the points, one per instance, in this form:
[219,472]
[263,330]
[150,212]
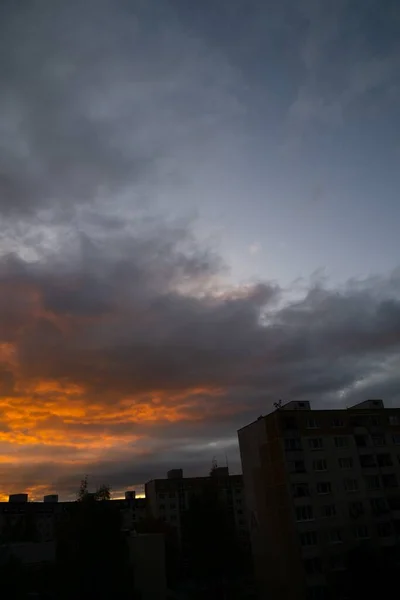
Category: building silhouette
[320,485]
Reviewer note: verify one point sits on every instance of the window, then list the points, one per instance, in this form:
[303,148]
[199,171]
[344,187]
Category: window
[312,424]
[337,423]
[161,496]
[350,485]
[396,439]
[308,538]
[297,466]
[393,420]
[356,509]
[334,536]
[384,530]
[320,464]
[394,503]
[304,513]
[336,563]
[324,487]
[378,440]
[345,462]
[317,592]
[292,444]
[361,532]
[315,443]
[384,460]
[361,441]
[313,565]
[367,460]
[341,442]
[328,511]
[379,506]
[390,481]
[373,482]
[173,518]
[290,423]
[300,490]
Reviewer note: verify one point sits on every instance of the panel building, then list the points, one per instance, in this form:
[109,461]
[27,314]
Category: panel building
[169,499]
[318,484]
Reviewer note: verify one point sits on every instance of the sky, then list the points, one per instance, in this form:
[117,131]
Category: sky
[199,216]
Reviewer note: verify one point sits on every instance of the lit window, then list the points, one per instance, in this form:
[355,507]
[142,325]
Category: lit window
[315,443]
[346,462]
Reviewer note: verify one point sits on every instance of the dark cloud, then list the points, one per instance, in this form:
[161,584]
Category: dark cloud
[123,352]
[100,100]
[183,369]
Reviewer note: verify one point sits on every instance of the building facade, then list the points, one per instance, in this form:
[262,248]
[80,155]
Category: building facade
[318,484]
[169,499]
[22,521]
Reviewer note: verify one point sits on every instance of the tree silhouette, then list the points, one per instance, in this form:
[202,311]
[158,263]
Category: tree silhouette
[92,550]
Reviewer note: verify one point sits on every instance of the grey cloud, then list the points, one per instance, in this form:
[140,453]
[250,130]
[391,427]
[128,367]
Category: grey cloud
[98,102]
[343,70]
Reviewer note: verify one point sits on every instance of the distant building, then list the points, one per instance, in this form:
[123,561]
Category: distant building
[23,521]
[18,498]
[318,484]
[169,499]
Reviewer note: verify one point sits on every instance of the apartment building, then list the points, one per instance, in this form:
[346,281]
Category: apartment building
[319,483]
[21,520]
[169,499]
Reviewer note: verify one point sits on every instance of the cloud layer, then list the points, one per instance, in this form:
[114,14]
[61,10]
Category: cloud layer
[124,349]
[128,357]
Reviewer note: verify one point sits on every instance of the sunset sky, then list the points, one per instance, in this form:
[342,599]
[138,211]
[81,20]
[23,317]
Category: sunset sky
[199,213]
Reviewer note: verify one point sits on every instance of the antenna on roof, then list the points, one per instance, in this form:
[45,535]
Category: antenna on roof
[278,404]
